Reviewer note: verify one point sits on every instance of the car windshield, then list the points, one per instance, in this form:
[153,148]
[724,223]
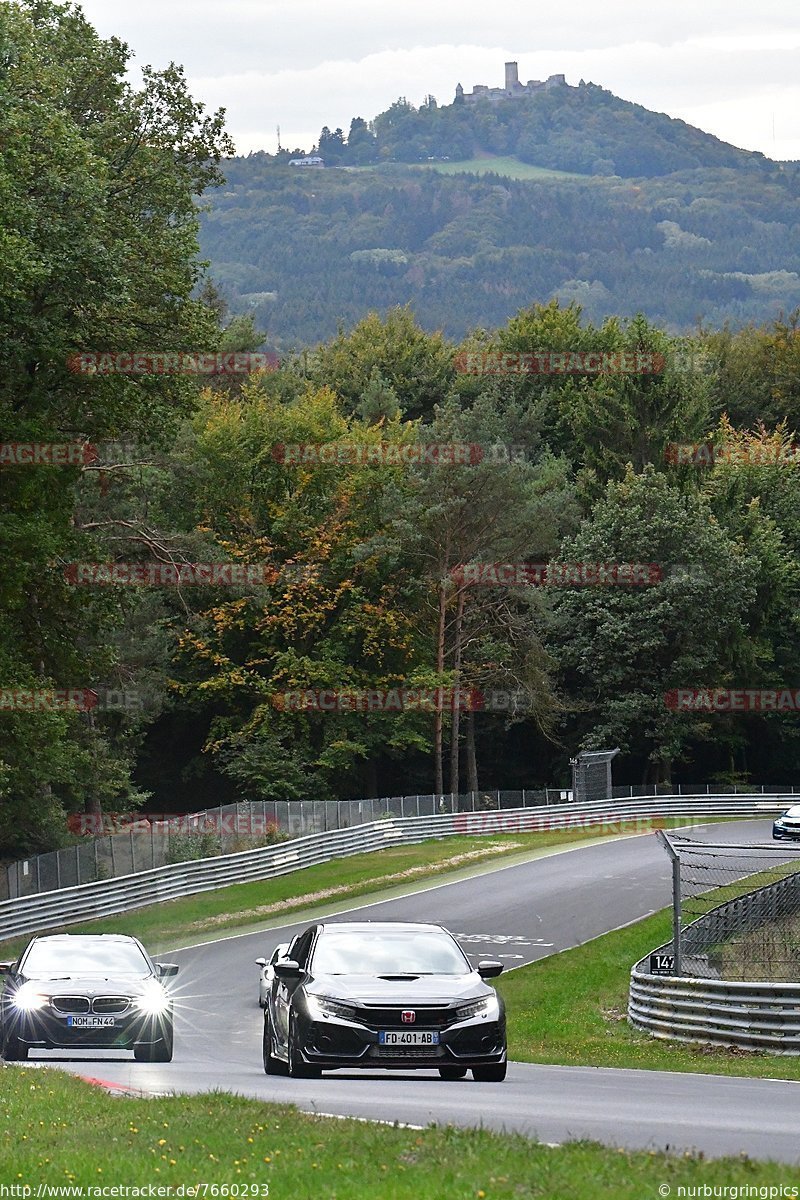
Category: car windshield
[388,953]
[84,956]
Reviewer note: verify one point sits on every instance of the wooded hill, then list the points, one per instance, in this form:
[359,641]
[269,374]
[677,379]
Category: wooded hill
[585,129]
[656,217]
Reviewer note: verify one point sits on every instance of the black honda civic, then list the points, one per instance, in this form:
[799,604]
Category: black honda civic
[86,992]
[383,994]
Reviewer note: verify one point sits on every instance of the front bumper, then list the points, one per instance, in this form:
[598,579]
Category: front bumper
[332,1043]
[47,1030]
[785,833]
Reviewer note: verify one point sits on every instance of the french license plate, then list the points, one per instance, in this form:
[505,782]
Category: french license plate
[90,1022]
[415,1037]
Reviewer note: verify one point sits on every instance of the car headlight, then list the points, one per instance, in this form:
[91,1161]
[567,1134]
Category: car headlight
[487,1006]
[28,999]
[325,1006]
[154,1001]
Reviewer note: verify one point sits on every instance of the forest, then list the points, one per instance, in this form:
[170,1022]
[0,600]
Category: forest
[187,542]
[304,251]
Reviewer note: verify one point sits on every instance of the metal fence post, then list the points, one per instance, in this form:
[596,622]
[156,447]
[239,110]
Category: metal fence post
[676,901]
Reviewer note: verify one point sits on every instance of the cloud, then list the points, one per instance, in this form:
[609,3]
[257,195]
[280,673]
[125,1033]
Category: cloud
[307,63]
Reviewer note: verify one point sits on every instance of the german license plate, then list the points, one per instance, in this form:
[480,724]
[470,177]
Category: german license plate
[415,1037]
[90,1022]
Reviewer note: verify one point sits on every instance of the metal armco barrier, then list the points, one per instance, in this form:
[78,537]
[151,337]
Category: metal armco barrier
[757,1016]
[111,896]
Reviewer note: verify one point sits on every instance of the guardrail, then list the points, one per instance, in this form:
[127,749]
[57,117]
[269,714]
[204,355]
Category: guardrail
[112,896]
[155,841]
[753,1014]
[757,1016]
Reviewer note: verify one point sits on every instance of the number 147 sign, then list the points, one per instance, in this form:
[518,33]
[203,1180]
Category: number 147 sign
[662,964]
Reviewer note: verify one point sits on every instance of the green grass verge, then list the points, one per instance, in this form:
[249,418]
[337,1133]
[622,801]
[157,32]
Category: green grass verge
[242,906]
[570,1009]
[59,1130]
[507,165]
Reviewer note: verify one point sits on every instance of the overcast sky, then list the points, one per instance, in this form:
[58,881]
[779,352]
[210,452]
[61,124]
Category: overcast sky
[729,67]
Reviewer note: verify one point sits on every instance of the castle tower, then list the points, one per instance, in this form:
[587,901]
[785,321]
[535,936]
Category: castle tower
[459,94]
[512,77]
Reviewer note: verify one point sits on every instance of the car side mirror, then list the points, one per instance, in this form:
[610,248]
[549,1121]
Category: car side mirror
[166,970]
[287,968]
[6,968]
[261,962]
[489,968]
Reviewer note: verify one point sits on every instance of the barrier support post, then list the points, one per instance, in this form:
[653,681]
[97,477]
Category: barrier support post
[676,900]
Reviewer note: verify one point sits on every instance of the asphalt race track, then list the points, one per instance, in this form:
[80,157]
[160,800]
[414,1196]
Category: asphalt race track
[517,913]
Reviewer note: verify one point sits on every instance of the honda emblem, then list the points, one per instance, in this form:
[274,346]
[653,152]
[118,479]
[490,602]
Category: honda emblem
[408,1016]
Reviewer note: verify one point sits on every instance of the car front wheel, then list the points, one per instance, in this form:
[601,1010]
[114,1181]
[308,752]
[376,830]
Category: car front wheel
[493,1073]
[299,1069]
[159,1051]
[13,1049]
[452,1072]
[272,1065]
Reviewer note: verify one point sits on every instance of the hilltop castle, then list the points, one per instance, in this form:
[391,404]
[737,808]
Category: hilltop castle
[513,89]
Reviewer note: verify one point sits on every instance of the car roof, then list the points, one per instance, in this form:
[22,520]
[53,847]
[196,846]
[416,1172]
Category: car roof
[384,926]
[85,937]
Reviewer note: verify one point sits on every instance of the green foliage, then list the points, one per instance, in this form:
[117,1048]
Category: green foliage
[417,366]
[478,248]
[624,648]
[97,250]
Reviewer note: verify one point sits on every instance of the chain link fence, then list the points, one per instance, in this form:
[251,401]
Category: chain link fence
[146,843]
[736,911]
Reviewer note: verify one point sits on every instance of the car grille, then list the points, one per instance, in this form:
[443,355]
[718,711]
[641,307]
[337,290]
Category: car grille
[381,1017]
[71,1004]
[83,1004]
[110,1004]
[404,1052]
